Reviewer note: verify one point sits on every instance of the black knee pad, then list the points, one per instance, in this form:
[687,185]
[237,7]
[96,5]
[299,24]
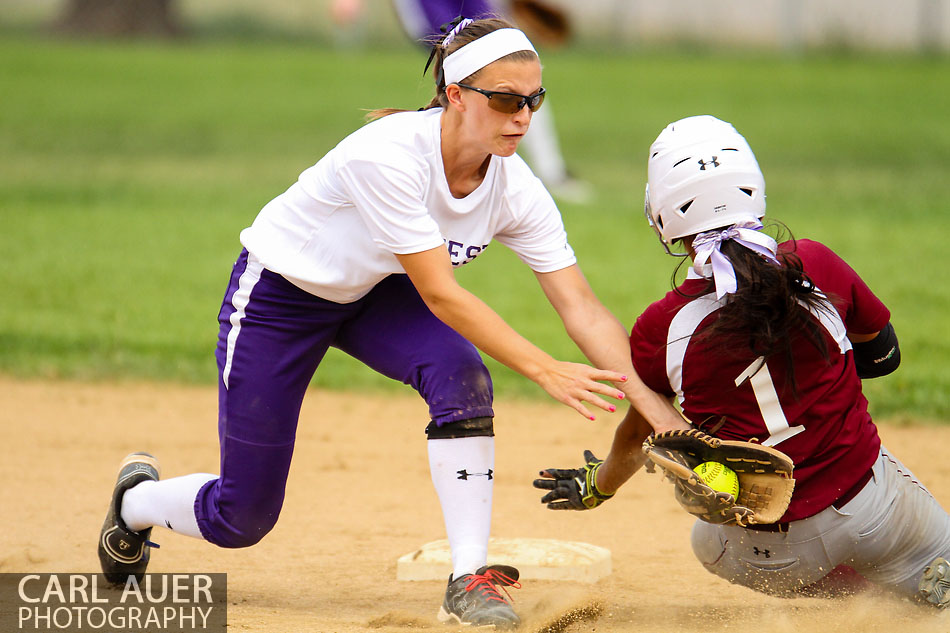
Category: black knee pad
[472,427]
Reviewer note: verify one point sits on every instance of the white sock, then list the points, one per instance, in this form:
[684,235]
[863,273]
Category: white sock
[169,503]
[461,470]
[542,150]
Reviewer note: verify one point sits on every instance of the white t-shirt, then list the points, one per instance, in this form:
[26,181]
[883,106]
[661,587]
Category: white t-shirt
[382,191]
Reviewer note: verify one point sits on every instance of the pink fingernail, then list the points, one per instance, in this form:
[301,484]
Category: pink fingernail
[622,378]
[620,395]
[592,418]
[612,408]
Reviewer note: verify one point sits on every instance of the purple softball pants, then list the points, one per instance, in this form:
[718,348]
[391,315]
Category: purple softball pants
[272,337]
[423,19]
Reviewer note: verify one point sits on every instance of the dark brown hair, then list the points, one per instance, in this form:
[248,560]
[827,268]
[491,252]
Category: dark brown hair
[771,308]
[470,33]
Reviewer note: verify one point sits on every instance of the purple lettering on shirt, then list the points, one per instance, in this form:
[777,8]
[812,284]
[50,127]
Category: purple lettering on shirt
[457,248]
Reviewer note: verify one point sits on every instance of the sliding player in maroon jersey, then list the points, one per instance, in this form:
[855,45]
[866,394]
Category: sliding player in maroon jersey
[769,342]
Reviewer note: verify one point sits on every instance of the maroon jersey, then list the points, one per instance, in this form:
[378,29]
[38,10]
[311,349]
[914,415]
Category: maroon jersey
[825,427]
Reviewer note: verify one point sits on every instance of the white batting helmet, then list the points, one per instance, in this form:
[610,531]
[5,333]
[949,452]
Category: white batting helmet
[702,175]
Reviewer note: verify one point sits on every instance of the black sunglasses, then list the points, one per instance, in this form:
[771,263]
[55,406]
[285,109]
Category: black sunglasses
[509,102]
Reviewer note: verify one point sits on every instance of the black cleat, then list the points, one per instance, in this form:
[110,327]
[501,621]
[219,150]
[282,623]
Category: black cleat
[473,599]
[122,552]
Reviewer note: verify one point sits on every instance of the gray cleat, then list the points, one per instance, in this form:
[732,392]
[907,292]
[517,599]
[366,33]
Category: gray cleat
[934,584]
[473,599]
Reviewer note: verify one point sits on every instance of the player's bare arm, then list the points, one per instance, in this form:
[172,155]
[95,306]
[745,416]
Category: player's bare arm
[602,338]
[569,383]
[626,456]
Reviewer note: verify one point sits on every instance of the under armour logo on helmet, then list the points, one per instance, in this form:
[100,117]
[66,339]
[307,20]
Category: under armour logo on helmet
[702,163]
[464,474]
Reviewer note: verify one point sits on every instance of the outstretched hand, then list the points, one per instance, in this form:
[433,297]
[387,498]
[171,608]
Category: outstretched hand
[574,384]
[574,488]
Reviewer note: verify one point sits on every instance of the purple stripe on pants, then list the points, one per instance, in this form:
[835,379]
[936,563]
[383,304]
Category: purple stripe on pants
[281,338]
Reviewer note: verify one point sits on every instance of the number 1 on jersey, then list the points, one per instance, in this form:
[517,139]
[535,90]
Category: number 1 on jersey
[766,397]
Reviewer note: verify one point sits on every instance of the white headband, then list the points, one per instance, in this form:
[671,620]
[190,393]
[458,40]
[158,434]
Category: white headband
[479,53]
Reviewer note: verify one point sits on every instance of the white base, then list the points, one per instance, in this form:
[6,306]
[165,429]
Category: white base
[535,559]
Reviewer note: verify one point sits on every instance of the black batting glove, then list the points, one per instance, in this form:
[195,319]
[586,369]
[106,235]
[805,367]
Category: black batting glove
[572,489]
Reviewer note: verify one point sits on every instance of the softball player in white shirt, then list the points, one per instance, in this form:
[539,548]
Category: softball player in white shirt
[359,254]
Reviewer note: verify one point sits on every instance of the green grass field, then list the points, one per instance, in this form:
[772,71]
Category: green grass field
[127,171]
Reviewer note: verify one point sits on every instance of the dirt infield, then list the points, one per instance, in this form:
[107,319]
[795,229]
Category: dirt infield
[359,496]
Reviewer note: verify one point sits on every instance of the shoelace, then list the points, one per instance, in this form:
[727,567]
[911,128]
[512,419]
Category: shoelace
[486,582]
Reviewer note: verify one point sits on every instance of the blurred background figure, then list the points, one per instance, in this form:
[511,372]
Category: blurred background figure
[349,18]
[546,24]
[112,18]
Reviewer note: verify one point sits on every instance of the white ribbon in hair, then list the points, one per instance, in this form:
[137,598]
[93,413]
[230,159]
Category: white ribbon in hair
[455,31]
[479,53]
[706,245]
